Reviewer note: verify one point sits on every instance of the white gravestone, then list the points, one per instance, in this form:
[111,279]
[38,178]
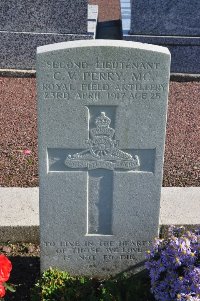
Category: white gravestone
[102,115]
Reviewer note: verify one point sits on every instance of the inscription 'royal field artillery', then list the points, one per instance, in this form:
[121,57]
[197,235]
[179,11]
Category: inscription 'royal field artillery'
[103,151]
[102,116]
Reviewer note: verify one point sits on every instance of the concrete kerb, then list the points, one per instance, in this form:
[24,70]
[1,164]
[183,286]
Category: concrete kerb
[19,209]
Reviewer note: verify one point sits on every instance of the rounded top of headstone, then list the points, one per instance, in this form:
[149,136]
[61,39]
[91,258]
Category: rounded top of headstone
[102,43]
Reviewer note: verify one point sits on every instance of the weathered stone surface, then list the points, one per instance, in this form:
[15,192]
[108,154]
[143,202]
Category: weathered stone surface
[165,17]
[47,16]
[102,115]
[18,50]
[185,51]
[20,38]
[172,24]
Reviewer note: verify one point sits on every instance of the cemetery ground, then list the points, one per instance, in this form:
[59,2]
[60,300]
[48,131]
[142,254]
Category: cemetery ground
[19,161]
[19,153]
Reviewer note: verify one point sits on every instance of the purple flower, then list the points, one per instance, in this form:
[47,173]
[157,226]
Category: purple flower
[174,266]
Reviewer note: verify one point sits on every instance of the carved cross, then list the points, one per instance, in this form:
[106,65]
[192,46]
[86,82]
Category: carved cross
[101,158]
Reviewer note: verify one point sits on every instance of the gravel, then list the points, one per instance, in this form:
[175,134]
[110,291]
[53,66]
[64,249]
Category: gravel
[182,152]
[19,152]
[18,131]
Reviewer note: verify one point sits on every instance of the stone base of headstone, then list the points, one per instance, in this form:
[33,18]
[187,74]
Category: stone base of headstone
[18,49]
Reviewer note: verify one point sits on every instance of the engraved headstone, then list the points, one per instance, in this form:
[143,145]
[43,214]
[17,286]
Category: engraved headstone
[102,116]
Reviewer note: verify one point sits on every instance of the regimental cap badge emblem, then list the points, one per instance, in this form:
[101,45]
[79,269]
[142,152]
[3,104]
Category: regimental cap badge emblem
[103,151]
[102,144]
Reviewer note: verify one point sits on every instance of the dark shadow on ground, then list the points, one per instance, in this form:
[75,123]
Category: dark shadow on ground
[26,271]
[24,274]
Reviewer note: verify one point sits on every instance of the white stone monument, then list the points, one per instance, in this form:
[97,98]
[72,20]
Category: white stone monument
[102,109]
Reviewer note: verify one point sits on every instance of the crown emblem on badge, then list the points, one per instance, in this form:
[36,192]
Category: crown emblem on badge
[102,126]
[102,120]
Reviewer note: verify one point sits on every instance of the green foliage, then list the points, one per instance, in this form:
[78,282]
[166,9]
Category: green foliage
[55,285]
[9,287]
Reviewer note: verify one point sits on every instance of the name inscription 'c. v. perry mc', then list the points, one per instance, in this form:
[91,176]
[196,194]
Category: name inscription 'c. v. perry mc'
[100,159]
